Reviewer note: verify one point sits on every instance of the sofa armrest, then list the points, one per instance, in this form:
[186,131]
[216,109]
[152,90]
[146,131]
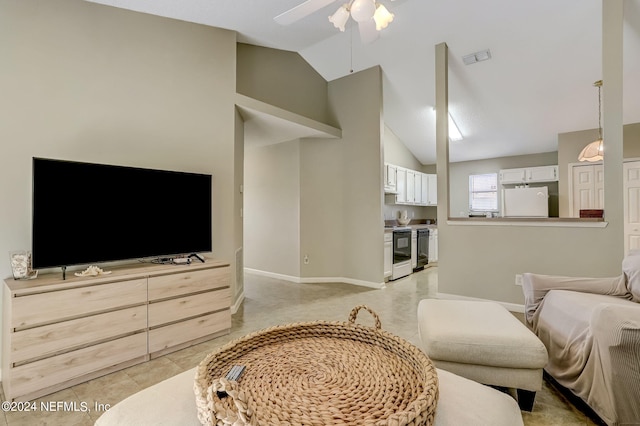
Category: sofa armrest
[616,345]
[536,286]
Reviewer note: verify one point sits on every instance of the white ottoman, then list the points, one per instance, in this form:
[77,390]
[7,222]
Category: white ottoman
[484,342]
[173,403]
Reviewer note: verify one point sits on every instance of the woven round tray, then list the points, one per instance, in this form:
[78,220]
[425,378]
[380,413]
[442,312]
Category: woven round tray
[318,373]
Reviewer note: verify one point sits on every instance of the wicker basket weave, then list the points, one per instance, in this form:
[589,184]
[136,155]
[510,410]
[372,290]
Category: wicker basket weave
[318,373]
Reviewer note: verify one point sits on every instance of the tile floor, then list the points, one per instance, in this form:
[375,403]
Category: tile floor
[270,302]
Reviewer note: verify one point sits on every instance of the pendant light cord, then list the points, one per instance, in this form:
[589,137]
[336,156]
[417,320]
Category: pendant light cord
[351,49]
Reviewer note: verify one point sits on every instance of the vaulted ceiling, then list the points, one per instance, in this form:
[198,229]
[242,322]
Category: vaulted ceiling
[545,57]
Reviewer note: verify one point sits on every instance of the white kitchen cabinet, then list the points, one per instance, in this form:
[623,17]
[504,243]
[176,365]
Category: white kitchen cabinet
[508,176]
[587,188]
[424,188]
[433,245]
[390,178]
[414,249]
[401,186]
[529,175]
[388,254]
[542,174]
[411,187]
[417,188]
[432,190]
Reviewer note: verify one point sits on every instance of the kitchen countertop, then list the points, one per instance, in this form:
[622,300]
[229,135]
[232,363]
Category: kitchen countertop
[415,226]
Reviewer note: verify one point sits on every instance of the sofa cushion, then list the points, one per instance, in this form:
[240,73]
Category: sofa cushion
[631,270]
[479,333]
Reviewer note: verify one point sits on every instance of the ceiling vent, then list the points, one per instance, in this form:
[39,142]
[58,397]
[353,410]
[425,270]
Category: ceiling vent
[483,55]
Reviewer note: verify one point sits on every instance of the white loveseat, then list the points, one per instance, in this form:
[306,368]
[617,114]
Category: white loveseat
[591,328]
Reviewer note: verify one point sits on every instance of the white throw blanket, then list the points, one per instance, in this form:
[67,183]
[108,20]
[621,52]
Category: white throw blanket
[591,330]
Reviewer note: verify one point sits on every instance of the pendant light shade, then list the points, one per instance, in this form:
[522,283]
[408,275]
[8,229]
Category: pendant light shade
[592,152]
[595,150]
[382,17]
[340,18]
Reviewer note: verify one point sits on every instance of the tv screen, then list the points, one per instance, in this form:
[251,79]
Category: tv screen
[87,213]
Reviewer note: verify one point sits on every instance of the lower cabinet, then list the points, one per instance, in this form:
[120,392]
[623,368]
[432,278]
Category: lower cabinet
[58,333]
[433,245]
[388,254]
[414,249]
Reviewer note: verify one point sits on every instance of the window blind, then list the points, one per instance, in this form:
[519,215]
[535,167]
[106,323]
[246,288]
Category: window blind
[483,192]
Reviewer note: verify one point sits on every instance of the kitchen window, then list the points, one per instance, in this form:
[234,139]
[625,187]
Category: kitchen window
[483,192]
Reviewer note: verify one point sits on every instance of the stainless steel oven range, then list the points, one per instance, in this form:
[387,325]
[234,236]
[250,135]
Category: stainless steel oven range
[422,249]
[401,253]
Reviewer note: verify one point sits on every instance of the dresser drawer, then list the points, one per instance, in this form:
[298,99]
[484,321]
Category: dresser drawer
[41,374]
[166,286]
[181,332]
[55,306]
[189,306]
[54,338]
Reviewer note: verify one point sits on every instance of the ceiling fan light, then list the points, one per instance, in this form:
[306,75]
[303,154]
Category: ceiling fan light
[340,18]
[592,152]
[363,10]
[382,17]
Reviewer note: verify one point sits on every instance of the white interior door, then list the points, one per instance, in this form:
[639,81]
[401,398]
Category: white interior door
[598,184]
[631,173]
[583,189]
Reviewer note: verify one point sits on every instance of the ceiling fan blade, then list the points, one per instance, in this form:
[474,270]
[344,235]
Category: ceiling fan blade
[368,32]
[300,11]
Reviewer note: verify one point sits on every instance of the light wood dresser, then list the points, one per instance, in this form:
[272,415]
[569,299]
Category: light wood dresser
[58,333]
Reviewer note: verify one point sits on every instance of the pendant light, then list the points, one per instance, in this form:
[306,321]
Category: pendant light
[595,150]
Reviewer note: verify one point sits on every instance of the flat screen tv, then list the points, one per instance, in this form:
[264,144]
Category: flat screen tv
[87,213]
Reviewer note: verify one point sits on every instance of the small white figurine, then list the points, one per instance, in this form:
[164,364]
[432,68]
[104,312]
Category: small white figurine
[92,271]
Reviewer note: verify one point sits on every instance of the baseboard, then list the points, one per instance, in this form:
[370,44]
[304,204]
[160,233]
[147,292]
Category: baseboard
[237,303]
[513,307]
[370,284]
[315,280]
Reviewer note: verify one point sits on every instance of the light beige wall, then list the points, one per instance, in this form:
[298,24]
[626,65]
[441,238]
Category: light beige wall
[341,186]
[631,135]
[272,208]
[481,261]
[283,79]
[396,152]
[86,82]
[322,208]
[459,178]
[356,101]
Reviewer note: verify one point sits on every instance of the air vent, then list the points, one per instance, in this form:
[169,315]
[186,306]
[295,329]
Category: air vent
[483,55]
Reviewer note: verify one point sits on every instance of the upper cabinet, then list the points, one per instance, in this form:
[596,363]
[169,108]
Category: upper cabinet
[390,178]
[529,175]
[410,186]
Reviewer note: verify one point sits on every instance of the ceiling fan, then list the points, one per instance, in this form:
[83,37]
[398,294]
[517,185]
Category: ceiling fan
[371,16]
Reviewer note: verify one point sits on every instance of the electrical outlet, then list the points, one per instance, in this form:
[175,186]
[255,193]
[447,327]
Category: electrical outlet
[306,259]
[519,279]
